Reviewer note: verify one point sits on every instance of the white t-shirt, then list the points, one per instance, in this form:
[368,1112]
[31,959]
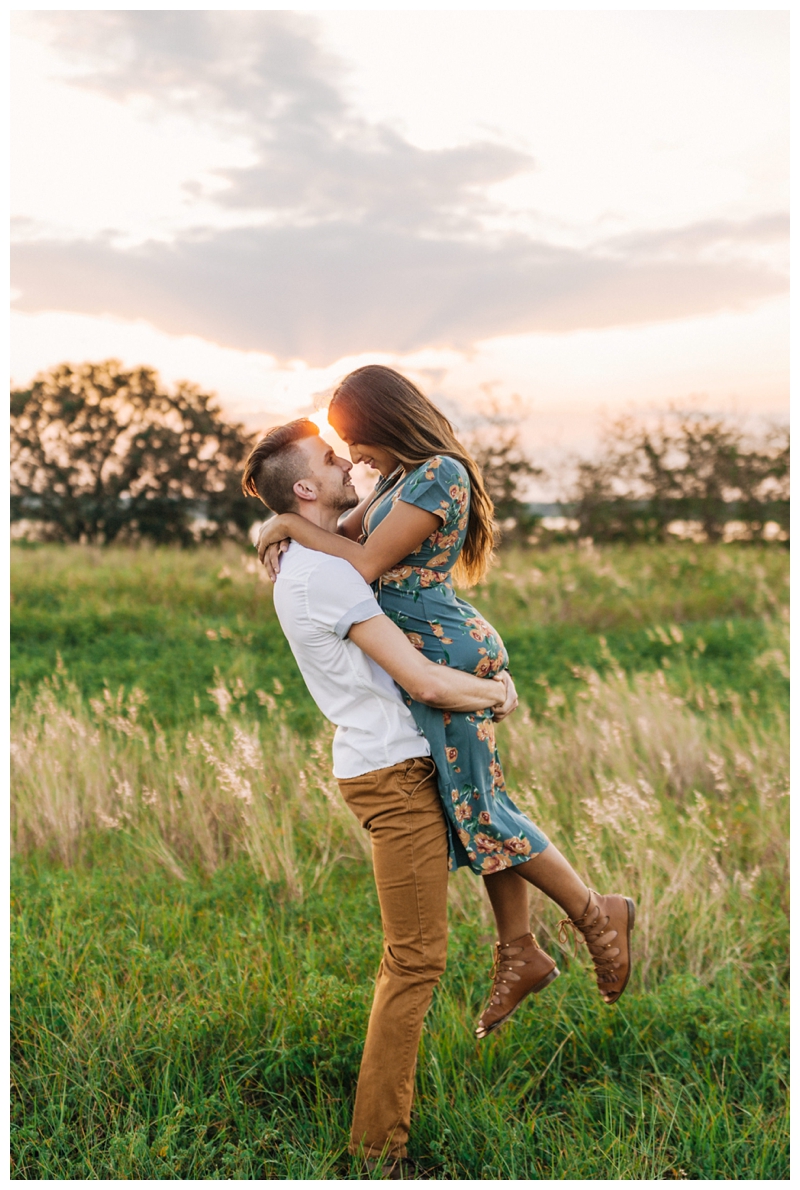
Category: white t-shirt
[318,598]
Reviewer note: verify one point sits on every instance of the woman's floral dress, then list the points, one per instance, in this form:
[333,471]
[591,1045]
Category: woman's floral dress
[487,831]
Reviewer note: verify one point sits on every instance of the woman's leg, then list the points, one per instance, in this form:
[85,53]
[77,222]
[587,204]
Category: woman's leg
[508,895]
[520,966]
[550,872]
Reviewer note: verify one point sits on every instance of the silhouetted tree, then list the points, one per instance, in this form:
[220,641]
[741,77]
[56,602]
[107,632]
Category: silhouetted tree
[692,467]
[99,453]
[505,467]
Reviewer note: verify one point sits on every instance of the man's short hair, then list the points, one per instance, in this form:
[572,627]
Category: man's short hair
[275,465]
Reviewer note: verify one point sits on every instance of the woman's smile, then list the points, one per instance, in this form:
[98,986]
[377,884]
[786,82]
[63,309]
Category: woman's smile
[373,456]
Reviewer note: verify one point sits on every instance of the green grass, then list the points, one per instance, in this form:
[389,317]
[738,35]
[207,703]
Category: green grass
[142,618]
[186,1000]
[208,1029]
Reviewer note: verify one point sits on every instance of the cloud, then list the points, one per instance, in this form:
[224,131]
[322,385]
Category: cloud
[325,291]
[360,240]
[708,235]
[263,74]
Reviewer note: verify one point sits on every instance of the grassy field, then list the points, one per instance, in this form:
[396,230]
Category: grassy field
[167,622]
[186,1003]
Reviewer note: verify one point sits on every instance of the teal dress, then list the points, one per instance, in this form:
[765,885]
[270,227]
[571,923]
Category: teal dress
[487,831]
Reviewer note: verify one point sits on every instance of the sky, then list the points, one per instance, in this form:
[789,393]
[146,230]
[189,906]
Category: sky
[572,214]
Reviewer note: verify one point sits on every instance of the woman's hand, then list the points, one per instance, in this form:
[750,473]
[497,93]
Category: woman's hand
[273,540]
[512,702]
[270,533]
[272,557]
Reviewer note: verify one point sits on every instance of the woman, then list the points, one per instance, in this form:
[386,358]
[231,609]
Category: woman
[428,519]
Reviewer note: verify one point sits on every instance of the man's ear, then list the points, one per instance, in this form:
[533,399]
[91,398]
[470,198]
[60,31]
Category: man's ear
[304,489]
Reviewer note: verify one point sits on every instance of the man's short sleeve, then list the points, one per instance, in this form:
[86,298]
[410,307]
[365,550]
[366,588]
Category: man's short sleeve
[338,597]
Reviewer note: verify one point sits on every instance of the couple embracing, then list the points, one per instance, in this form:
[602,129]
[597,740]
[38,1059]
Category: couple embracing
[415,679]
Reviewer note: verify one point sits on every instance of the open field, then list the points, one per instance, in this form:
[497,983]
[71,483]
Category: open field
[166,621]
[186,1001]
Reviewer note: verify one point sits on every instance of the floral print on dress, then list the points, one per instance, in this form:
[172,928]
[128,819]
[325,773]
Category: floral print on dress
[487,831]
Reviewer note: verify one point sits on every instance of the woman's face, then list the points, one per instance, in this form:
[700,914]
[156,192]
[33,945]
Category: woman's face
[373,456]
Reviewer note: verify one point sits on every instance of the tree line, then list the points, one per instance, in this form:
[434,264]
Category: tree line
[101,453]
[693,468]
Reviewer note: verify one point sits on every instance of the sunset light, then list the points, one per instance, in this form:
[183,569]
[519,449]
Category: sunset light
[587,210]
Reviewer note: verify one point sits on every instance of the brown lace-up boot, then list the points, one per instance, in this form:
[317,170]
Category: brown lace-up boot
[606,925]
[520,967]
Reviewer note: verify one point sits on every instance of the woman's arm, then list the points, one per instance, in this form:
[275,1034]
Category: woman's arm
[270,551]
[398,535]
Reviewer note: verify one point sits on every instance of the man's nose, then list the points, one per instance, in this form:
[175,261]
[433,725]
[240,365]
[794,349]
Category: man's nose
[345,464]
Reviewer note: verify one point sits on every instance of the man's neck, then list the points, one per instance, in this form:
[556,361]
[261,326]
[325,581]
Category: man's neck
[324,518]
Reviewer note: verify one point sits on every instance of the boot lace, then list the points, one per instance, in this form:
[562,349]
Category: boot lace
[592,931]
[503,967]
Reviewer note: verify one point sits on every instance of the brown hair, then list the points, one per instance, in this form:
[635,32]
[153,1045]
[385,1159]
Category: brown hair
[377,406]
[274,465]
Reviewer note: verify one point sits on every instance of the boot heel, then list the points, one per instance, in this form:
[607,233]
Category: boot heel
[631,913]
[548,979]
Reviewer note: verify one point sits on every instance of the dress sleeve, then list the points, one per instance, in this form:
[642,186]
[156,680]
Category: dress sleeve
[441,486]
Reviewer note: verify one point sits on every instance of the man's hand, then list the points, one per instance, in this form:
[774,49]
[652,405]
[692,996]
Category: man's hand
[512,702]
[270,547]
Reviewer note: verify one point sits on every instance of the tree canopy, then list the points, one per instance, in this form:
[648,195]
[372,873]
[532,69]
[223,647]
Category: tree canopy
[101,453]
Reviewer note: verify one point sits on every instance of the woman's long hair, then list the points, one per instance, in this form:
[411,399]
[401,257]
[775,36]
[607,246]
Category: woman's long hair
[377,406]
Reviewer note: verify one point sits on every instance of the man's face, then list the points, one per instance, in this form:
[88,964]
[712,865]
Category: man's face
[328,476]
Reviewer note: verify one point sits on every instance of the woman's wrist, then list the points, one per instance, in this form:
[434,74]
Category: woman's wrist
[279,527]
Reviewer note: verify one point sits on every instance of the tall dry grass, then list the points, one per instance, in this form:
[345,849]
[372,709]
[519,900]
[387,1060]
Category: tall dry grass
[686,814]
[199,797]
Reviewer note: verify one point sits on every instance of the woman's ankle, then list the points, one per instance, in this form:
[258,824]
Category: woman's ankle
[575,904]
[504,937]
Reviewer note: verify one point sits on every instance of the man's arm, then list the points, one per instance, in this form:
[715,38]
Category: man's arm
[436,685]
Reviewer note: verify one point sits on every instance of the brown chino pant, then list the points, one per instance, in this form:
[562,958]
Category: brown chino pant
[401,808]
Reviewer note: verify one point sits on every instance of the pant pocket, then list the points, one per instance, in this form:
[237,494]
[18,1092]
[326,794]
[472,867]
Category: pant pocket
[420,771]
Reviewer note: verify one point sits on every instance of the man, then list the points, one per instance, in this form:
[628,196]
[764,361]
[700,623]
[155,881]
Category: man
[351,655]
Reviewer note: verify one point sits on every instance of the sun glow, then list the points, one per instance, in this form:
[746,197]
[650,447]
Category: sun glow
[658,226]
[320,420]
